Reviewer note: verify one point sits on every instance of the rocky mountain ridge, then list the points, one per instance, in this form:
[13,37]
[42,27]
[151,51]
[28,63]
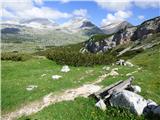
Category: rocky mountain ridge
[124,36]
[115,27]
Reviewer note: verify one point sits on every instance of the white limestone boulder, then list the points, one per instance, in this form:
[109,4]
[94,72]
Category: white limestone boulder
[113,73]
[31,87]
[129,64]
[65,68]
[56,77]
[130,100]
[106,68]
[120,62]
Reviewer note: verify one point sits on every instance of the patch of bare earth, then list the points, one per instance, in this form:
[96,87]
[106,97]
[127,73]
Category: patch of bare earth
[49,99]
[71,94]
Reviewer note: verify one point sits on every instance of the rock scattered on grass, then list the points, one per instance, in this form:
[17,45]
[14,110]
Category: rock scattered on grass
[65,68]
[129,74]
[88,71]
[100,104]
[124,63]
[113,73]
[115,69]
[31,87]
[56,77]
[106,68]
[129,64]
[43,75]
[136,103]
[130,100]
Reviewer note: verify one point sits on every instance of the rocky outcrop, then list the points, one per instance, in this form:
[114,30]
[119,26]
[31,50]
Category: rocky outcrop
[94,46]
[148,27]
[124,36]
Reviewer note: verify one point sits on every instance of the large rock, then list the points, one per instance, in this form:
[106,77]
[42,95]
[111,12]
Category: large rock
[130,100]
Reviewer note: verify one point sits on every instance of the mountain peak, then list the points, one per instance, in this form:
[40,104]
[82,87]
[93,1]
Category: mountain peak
[113,27]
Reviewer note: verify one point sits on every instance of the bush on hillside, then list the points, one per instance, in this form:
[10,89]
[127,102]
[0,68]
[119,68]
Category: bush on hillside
[15,56]
[79,59]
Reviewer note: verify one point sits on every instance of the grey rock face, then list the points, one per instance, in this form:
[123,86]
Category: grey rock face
[103,45]
[136,103]
[125,35]
[129,100]
[148,27]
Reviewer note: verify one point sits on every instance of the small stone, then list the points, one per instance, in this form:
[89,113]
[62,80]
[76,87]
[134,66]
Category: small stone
[31,87]
[113,73]
[65,68]
[43,75]
[120,62]
[100,104]
[115,69]
[56,77]
[129,74]
[106,68]
[129,64]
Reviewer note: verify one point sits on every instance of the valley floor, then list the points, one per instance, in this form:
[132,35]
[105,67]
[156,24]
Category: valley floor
[16,76]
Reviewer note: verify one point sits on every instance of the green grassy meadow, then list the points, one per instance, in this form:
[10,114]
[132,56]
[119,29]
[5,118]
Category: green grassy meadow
[16,76]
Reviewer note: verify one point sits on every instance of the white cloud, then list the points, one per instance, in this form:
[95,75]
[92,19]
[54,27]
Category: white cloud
[115,5]
[42,12]
[117,16]
[26,9]
[148,3]
[80,13]
[141,17]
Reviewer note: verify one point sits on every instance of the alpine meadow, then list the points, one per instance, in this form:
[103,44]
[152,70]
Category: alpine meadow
[80,60]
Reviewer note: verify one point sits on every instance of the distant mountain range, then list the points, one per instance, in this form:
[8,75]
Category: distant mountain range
[45,32]
[76,25]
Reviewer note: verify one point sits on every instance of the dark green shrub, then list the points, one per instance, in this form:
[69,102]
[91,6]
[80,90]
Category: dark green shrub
[15,56]
[78,59]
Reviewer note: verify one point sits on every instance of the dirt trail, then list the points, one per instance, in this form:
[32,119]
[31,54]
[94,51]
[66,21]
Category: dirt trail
[71,94]
[49,99]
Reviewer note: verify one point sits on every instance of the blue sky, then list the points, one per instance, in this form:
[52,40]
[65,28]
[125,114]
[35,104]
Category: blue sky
[99,12]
